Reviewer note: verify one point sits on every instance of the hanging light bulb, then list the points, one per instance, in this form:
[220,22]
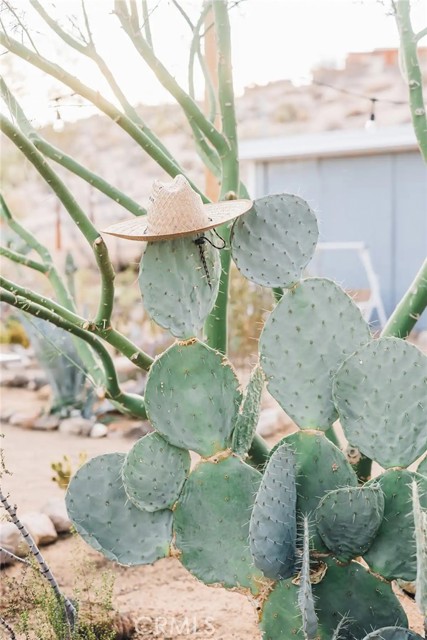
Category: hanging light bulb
[58,124]
[371,123]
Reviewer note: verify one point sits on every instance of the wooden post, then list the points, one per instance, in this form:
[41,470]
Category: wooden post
[212,187]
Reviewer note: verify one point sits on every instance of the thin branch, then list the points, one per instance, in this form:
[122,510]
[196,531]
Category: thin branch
[408,311]
[126,347]
[12,556]
[63,294]
[8,628]
[420,34]
[21,24]
[72,42]
[167,163]
[188,105]
[89,50]
[19,258]
[58,156]
[87,25]
[70,611]
[129,403]
[77,214]
[146,19]
[408,48]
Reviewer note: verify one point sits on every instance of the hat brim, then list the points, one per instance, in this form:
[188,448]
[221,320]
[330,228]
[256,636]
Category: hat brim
[218,213]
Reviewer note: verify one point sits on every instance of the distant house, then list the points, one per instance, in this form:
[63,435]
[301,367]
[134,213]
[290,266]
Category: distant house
[367,187]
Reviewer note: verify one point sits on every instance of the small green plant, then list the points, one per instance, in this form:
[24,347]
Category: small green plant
[64,469]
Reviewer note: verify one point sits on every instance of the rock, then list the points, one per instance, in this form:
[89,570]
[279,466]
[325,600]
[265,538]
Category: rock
[6,415]
[40,526]
[98,430]
[15,380]
[44,392]
[24,419]
[129,429]
[76,426]
[47,423]
[55,509]
[270,421]
[11,540]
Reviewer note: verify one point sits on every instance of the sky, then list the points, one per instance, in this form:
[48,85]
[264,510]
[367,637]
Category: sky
[272,39]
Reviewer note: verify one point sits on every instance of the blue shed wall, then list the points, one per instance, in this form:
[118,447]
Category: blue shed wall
[380,200]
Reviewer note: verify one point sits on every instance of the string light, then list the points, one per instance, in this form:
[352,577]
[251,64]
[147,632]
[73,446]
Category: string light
[371,123]
[58,124]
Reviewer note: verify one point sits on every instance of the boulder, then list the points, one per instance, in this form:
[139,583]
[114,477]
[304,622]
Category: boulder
[56,510]
[47,423]
[24,419]
[98,430]
[40,526]
[76,426]
[11,540]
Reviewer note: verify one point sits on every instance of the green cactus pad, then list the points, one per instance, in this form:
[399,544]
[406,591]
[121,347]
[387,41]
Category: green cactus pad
[248,416]
[102,514]
[380,394]
[154,472]
[211,523]
[192,398]
[422,467]
[272,528]
[351,591]
[174,285]
[313,328]
[420,521]
[321,467]
[273,243]
[348,592]
[281,617]
[393,552]
[349,518]
[393,633]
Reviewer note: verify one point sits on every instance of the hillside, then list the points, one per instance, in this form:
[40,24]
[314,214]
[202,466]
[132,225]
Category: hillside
[279,108]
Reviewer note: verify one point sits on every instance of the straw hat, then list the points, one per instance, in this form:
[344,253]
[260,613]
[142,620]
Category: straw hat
[176,210]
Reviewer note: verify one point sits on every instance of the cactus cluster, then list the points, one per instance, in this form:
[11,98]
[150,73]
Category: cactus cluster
[290,537]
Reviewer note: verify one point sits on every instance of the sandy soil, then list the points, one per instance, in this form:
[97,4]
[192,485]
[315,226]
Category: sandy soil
[164,599]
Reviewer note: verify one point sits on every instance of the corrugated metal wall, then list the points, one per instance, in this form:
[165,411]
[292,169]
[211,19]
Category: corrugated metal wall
[380,200]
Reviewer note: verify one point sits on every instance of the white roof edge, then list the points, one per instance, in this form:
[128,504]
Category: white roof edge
[345,142]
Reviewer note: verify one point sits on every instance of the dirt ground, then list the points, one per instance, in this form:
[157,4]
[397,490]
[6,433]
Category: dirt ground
[164,600]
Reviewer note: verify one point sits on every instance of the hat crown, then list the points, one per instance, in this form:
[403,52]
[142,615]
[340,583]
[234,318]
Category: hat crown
[175,207]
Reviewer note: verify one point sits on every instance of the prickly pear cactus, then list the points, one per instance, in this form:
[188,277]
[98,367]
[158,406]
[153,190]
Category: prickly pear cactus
[291,535]
[178,286]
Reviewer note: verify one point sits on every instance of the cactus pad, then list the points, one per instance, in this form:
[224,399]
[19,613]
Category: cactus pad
[281,617]
[348,519]
[192,398]
[393,552]
[273,243]
[420,521]
[174,285]
[320,467]
[272,529]
[380,394]
[313,328]
[351,591]
[154,472]
[248,416]
[393,633]
[211,523]
[102,514]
